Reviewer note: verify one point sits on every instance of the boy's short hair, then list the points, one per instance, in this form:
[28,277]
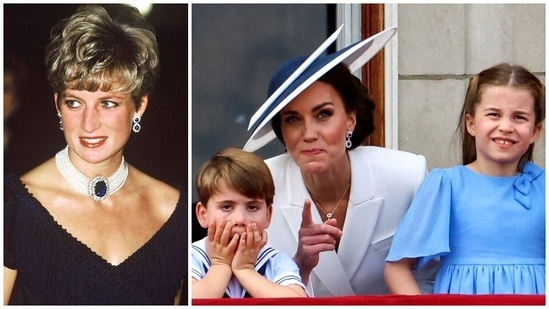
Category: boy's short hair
[242,171]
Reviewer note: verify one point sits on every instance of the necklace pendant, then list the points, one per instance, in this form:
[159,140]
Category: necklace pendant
[329,215]
[99,188]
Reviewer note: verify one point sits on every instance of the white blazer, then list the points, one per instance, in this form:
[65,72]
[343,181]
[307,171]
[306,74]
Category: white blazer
[383,182]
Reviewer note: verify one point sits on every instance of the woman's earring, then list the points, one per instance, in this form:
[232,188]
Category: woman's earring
[136,127]
[348,142]
[60,122]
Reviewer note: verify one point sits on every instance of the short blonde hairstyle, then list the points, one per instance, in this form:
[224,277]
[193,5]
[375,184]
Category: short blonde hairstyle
[242,171]
[93,51]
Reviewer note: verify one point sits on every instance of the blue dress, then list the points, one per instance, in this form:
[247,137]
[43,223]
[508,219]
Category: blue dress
[488,231]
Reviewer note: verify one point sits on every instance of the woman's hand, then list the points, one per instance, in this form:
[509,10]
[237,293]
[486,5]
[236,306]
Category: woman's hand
[221,246]
[313,239]
[249,245]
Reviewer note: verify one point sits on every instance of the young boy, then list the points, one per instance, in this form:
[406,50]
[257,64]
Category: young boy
[236,190]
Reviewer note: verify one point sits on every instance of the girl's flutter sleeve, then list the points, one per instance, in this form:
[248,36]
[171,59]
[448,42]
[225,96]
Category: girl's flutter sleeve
[423,232]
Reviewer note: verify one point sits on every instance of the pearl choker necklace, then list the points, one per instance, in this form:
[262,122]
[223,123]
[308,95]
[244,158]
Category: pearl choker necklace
[97,188]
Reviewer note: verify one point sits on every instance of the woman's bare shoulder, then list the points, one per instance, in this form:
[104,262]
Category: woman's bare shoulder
[146,181]
[159,191]
[43,175]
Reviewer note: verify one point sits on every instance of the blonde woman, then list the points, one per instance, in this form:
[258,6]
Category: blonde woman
[86,227]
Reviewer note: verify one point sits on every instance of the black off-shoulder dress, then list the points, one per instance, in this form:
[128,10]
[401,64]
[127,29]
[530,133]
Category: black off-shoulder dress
[55,268]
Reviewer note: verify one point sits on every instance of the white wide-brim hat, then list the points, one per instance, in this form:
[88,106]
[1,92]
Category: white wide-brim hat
[295,75]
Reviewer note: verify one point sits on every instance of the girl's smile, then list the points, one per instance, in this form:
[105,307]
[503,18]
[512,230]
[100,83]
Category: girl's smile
[503,126]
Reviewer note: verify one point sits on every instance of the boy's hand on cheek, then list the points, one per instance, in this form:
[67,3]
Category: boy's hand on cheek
[249,246]
[221,246]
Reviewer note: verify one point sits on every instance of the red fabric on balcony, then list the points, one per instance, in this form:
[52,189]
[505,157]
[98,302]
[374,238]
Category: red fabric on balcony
[438,299]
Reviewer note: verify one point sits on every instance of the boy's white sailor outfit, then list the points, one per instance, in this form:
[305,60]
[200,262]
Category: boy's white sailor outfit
[272,264]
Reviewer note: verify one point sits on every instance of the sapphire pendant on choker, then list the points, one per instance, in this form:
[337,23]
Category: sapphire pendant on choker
[99,188]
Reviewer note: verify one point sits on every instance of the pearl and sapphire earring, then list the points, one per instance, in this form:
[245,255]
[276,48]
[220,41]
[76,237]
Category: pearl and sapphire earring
[136,127]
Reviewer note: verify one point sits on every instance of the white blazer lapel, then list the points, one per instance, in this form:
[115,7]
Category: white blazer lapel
[290,197]
[292,216]
[329,269]
[332,275]
[362,215]
[359,225]
[294,194]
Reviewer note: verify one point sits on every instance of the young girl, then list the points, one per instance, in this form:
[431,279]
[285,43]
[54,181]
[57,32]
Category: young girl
[485,219]
[236,192]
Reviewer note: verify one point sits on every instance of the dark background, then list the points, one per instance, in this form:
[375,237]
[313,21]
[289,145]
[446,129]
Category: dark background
[159,149]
